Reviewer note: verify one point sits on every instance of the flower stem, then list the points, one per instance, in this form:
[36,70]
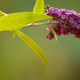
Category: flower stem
[36,24]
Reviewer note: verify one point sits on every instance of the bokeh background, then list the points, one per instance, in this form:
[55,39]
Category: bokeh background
[19,62]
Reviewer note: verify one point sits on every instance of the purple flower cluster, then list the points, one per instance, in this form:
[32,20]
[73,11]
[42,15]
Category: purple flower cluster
[67,22]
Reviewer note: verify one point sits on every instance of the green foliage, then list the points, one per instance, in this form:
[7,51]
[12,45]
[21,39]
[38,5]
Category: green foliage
[15,21]
[18,20]
[53,31]
[1,13]
[33,45]
[39,6]
[14,35]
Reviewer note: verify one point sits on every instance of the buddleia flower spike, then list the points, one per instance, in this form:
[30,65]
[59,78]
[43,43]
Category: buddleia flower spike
[67,22]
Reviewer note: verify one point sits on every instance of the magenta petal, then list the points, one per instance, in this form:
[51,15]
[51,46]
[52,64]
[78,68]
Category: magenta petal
[48,28]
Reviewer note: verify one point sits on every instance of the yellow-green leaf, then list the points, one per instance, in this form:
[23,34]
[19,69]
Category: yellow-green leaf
[33,45]
[16,21]
[14,35]
[54,33]
[39,6]
[2,13]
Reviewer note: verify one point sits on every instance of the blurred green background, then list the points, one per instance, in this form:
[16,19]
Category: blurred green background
[19,62]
